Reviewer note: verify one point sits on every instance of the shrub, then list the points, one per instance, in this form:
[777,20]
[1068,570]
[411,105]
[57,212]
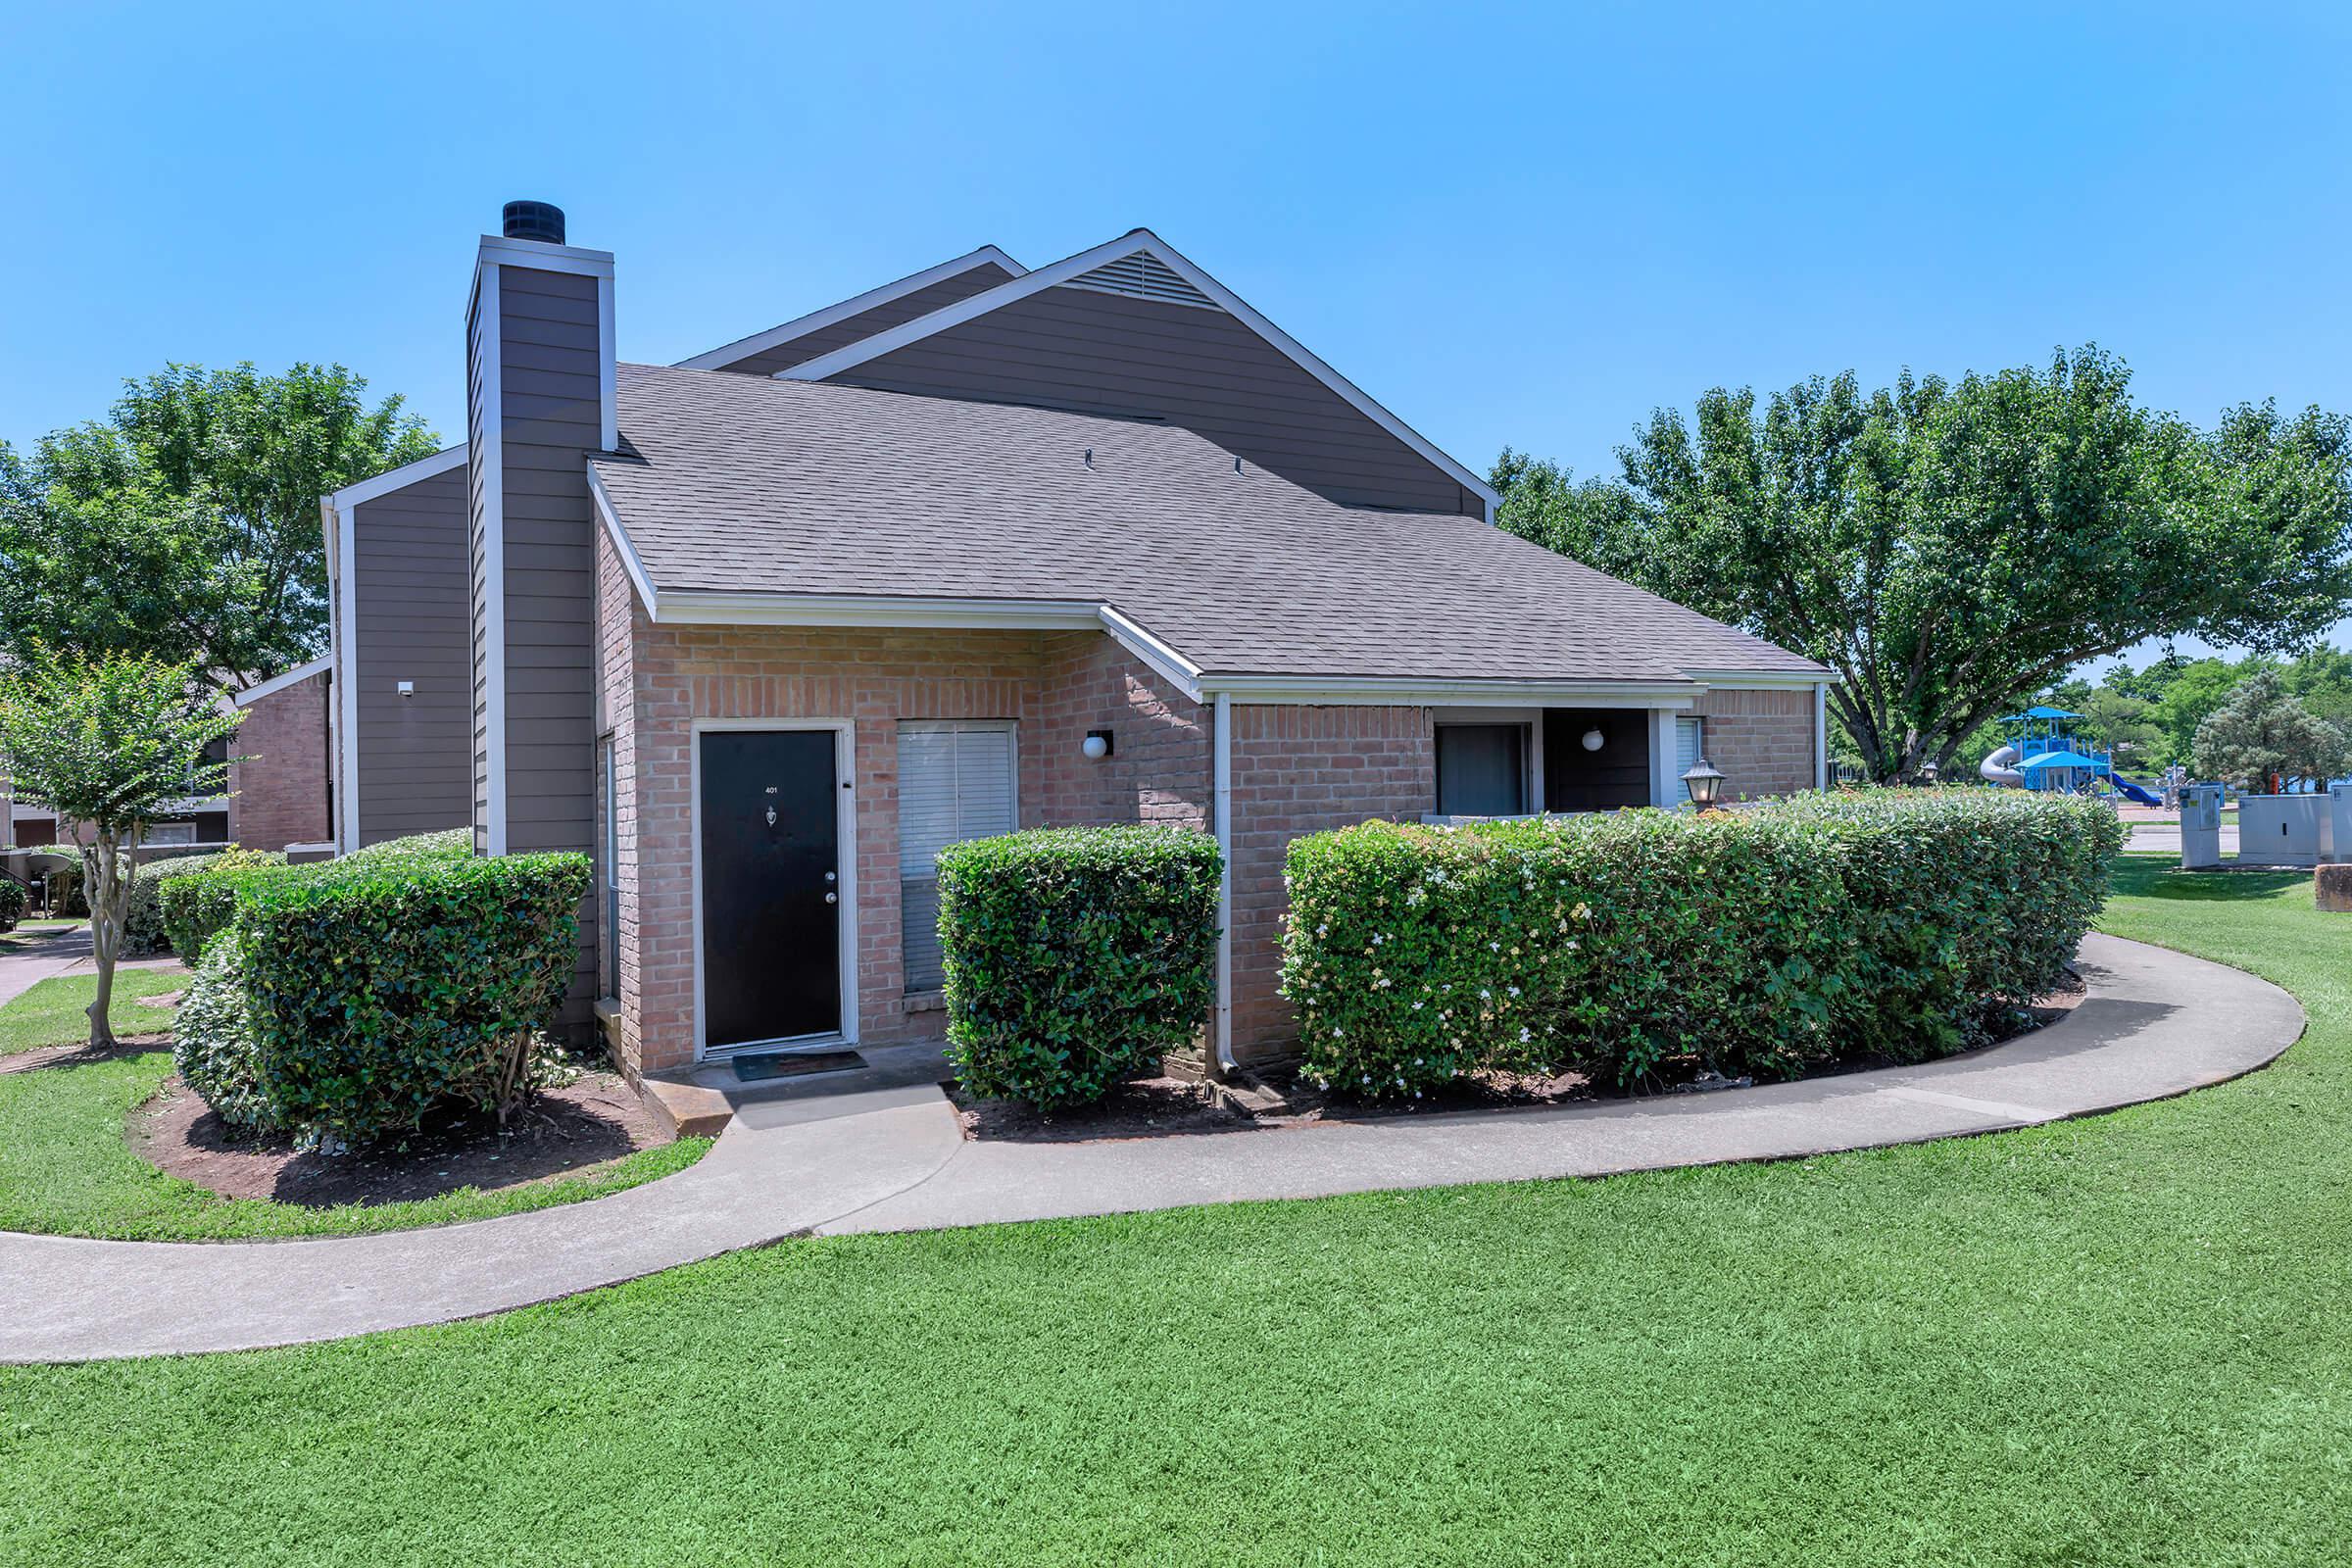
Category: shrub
[212,1042]
[145,929]
[1076,957]
[1758,942]
[456,843]
[379,987]
[65,894]
[14,901]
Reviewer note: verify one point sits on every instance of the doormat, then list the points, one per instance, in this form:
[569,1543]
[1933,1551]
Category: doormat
[753,1068]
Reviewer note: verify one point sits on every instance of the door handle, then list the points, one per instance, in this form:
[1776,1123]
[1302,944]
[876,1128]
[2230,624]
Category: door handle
[832,898]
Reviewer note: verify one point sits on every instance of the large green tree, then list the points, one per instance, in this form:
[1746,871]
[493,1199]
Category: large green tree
[1950,548]
[185,527]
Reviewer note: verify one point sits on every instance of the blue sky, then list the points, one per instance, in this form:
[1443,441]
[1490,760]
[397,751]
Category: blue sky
[1511,225]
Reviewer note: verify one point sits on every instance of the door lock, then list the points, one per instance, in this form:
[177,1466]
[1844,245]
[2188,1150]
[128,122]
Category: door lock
[832,898]
[830,877]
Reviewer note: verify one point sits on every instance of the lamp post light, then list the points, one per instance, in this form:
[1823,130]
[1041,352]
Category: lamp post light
[1926,773]
[1704,782]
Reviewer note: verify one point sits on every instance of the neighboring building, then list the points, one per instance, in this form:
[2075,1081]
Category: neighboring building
[763,631]
[279,768]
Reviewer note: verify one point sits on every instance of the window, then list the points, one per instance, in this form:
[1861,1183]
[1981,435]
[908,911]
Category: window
[956,782]
[1481,769]
[174,832]
[608,796]
[1689,745]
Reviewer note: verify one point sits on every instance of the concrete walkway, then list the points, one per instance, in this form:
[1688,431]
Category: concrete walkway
[66,952]
[882,1150]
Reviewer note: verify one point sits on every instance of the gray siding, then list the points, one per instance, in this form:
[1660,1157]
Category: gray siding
[1097,353]
[549,348]
[866,323]
[409,550]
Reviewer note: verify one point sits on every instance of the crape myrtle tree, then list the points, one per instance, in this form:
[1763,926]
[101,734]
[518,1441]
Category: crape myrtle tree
[2264,733]
[185,526]
[109,743]
[1949,548]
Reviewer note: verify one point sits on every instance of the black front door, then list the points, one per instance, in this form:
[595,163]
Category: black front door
[771,886]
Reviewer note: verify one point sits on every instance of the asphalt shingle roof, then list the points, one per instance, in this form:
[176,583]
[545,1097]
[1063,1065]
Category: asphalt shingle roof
[748,485]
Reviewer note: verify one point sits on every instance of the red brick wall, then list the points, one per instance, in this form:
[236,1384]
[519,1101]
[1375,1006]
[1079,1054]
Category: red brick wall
[1299,770]
[1158,769]
[660,679]
[279,792]
[1761,740]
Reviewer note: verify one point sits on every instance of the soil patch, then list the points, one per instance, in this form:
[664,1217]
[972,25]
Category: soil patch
[1161,1108]
[595,1119]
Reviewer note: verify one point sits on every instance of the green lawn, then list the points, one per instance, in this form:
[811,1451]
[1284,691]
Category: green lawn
[2116,1341]
[56,1010]
[65,1169]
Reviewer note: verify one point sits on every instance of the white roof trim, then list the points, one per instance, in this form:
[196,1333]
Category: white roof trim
[1162,658]
[1408,692]
[1765,679]
[624,545]
[1144,240]
[743,348]
[400,479]
[698,606]
[279,683]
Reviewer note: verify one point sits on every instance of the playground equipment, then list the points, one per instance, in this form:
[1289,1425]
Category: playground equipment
[2042,753]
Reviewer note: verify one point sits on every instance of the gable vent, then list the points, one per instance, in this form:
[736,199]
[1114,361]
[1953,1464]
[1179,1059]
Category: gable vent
[1143,276]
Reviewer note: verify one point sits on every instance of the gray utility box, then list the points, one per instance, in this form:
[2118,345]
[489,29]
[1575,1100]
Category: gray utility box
[2200,827]
[2284,829]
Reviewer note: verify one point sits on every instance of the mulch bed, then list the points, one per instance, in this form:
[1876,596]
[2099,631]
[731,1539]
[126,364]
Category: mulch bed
[590,1121]
[1161,1107]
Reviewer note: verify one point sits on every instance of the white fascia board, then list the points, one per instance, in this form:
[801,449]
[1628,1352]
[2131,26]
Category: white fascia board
[1159,656]
[1140,241]
[1763,680]
[727,353]
[694,607]
[400,479]
[279,683]
[345,687]
[624,545]
[1385,692]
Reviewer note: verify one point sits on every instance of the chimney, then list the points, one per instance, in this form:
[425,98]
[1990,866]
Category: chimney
[539,383]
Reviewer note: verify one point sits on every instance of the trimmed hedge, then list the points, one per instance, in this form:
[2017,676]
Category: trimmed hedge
[1076,957]
[14,901]
[1765,941]
[197,907]
[378,987]
[147,927]
[211,1043]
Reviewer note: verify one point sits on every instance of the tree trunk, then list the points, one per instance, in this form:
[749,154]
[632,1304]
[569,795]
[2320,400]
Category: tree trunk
[109,898]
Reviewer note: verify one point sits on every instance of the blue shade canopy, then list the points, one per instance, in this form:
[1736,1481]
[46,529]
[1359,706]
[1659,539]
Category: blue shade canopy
[2038,711]
[2060,760]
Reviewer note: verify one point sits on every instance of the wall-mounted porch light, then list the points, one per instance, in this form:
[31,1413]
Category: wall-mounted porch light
[406,688]
[1096,745]
[1704,782]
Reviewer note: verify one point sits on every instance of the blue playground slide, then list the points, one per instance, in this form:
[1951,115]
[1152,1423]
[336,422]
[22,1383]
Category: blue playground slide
[2132,792]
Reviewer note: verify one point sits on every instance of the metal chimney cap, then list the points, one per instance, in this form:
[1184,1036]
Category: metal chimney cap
[539,221]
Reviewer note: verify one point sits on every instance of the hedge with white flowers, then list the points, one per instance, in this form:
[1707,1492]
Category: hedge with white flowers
[1644,945]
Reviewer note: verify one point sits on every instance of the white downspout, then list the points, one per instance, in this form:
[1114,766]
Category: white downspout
[1221,753]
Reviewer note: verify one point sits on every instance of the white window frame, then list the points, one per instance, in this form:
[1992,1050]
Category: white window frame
[1679,793]
[1003,726]
[845,771]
